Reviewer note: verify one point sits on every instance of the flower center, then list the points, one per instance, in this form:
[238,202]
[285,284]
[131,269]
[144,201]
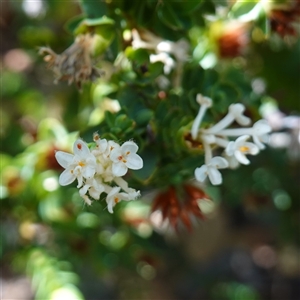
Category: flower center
[121,158]
[244,149]
[116,200]
[81,164]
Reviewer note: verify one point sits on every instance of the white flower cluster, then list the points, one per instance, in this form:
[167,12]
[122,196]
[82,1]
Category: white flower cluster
[218,135]
[163,49]
[95,169]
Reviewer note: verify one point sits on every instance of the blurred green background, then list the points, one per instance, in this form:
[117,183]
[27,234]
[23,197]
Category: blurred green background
[55,247]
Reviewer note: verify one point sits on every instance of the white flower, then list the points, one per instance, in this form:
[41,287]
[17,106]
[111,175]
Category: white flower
[80,165]
[211,170]
[240,148]
[125,158]
[260,133]
[114,197]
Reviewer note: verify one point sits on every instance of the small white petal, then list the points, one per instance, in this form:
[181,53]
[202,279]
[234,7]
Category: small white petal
[64,158]
[88,172]
[214,176]
[84,190]
[119,169]
[111,146]
[66,177]
[230,149]
[110,199]
[115,154]
[134,162]
[129,147]
[201,173]
[102,145]
[241,140]
[262,127]
[81,149]
[110,206]
[252,148]
[113,191]
[96,192]
[79,180]
[219,162]
[259,144]
[241,158]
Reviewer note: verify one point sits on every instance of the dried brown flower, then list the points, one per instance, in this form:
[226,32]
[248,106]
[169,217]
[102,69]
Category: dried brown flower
[282,20]
[178,209]
[74,64]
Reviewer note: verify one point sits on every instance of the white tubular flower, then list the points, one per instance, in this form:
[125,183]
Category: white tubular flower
[260,133]
[205,103]
[163,57]
[240,148]
[211,170]
[125,158]
[80,165]
[235,113]
[114,197]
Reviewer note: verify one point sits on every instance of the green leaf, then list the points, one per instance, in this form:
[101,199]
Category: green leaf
[144,116]
[73,23]
[187,7]
[242,7]
[139,56]
[151,160]
[94,9]
[88,25]
[263,23]
[99,21]
[168,16]
[109,118]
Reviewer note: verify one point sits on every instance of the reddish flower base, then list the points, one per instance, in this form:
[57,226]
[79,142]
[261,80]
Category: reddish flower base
[179,209]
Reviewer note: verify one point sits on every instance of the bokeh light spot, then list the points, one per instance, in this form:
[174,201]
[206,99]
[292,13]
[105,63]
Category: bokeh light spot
[282,200]
[50,184]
